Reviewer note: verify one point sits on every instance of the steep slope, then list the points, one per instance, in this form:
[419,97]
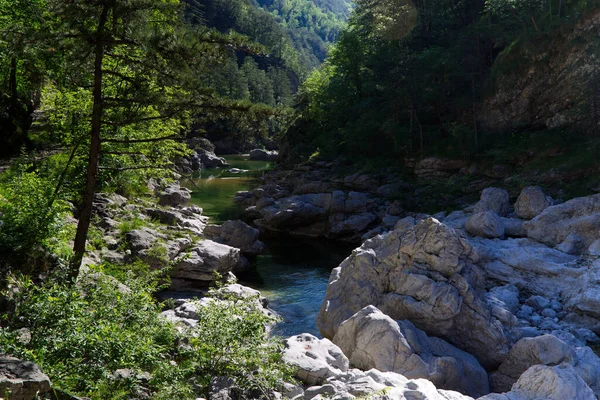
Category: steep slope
[546,84]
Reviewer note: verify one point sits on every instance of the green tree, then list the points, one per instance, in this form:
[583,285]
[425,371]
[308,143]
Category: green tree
[259,85]
[140,77]
[282,88]
[23,61]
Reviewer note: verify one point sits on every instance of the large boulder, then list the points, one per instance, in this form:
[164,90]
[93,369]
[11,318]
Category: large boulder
[531,202]
[22,380]
[371,339]
[203,156]
[576,221]
[542,350]
[529,265]
[583,297]
[314,359]
[427,275]
[205,259]
[542,382]
[495,200]
[297,211]
[208,159]
[377,385]
[174,195]
[236,234]
[485,224]
[546,350]
[263,155]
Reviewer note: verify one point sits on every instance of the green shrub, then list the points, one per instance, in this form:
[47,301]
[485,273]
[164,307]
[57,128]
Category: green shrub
[80,335]
[230,340]
[27,217]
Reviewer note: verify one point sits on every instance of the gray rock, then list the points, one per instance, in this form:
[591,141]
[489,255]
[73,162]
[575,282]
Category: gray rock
[514,227]
[315,359]
[142,239]
[208,159]
[204,259]
[404,224]
[426,275]
[371,339]
[580,217]
[587,366]
[237,234]
[263,155]
[549,313]
[390,221]
[495,200]
[344,224]
[23,380]
[525,312]
[174,196]
[538,302]
[376,385]
[223,388]
[485,224]
[543,350]
[529,265]
[559,382]
[531,202]
[508,295]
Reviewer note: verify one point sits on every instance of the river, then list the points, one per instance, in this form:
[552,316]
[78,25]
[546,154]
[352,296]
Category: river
[293,272]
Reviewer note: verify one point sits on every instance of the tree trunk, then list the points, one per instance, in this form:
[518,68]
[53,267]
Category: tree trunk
[85,214]
[14,93]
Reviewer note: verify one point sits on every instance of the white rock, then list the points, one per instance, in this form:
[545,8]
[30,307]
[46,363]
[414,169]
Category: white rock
[426,275]
[371,339]
[495,200]
[485,224]
[315,359]
[531,202]
[580,217]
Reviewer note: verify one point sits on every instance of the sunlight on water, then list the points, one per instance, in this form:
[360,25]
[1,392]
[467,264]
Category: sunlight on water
[214,189]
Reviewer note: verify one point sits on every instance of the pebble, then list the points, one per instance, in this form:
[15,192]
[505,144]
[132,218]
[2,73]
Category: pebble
[525,312]
[548,325]
[530,331]
[549,313]
[538,302]
[556,306]
[537,320]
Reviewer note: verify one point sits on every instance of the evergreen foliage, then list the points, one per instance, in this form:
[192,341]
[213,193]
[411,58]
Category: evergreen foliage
[406,78]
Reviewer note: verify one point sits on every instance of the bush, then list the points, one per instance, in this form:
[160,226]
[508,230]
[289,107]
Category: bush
[230,340]
[27,217]
[81,335]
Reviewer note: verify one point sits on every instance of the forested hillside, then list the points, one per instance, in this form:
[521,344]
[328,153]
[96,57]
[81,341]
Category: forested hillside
[416,79]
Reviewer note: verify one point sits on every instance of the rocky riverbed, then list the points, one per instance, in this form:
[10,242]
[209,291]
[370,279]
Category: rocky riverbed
[498,300]
[493,297]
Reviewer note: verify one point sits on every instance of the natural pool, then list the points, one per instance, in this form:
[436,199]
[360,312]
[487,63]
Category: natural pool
[293,272]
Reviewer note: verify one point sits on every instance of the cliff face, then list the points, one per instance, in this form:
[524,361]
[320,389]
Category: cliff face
[547,83]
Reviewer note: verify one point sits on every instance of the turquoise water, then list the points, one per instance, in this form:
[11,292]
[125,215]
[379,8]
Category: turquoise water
[214,189]
[293,272]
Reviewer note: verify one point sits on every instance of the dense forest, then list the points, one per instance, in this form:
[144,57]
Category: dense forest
[416,78]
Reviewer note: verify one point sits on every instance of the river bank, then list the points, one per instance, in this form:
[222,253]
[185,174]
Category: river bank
[499,296]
